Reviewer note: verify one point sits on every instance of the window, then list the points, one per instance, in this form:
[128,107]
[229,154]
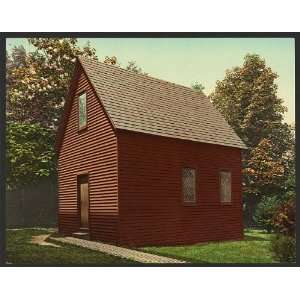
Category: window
[82,111]
[189,185]
[225,187]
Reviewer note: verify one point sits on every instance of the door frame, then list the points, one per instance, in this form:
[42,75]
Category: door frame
[78,176]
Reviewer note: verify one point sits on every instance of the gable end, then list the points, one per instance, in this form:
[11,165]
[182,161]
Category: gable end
[78,69]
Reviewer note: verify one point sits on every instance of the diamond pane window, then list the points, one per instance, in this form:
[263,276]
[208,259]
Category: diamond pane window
[189,185]
[225,186]
[82,111]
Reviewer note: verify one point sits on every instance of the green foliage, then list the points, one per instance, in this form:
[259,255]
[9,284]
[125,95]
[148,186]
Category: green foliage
[37,81]
[30,154]
[290,187]
[284,219]
[133,67]
[265,211]
[284,248]
[198,86]
[284,223]
[247,98]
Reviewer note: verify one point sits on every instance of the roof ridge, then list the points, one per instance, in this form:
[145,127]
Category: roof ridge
[197,93]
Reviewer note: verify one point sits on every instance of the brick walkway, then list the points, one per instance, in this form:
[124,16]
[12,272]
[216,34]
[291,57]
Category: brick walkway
[119,251]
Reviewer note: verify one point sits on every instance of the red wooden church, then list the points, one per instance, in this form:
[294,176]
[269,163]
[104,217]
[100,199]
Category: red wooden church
[143,161]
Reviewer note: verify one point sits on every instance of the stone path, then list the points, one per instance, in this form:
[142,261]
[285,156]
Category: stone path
[41,240]
[119,251]
[35,228]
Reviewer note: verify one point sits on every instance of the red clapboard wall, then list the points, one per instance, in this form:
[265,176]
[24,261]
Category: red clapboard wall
[150,197]
[93,150]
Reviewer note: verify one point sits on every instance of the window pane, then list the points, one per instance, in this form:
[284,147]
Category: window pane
[82,110]
[225,186]
[189,185]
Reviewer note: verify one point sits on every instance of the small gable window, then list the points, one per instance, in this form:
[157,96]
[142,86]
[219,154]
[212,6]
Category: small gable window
[225,187]
[189,185]
[82,111]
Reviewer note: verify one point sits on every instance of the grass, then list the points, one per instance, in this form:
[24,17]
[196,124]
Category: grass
[255,248]
[19,250]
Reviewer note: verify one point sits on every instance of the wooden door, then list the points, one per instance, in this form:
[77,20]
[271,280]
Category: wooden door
[83,191]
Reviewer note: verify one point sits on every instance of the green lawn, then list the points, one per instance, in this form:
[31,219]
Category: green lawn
[19,250]
[255,248]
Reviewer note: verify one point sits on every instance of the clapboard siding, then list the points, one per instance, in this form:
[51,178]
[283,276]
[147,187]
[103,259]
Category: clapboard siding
[135,184]
[150,196]
[93,150]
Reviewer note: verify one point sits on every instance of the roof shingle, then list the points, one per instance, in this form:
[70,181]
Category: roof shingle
[145,104]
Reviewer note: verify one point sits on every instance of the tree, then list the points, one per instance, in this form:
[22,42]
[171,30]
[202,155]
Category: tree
[284,219]
[265,211]
[38,80]
[247,98]
[198,86]
[18,55]
[37,84]
[133,67]
[264,173]
[30,154]
[110,60]
[284,224]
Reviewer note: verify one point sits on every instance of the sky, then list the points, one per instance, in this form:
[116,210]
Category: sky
[205,60]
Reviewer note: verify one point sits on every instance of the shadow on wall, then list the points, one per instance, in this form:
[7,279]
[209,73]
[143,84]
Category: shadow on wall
[34,205]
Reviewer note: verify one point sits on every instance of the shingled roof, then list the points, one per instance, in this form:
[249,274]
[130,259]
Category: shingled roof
[145,104]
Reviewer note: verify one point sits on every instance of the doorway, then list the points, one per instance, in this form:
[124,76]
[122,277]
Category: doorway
[83,200]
